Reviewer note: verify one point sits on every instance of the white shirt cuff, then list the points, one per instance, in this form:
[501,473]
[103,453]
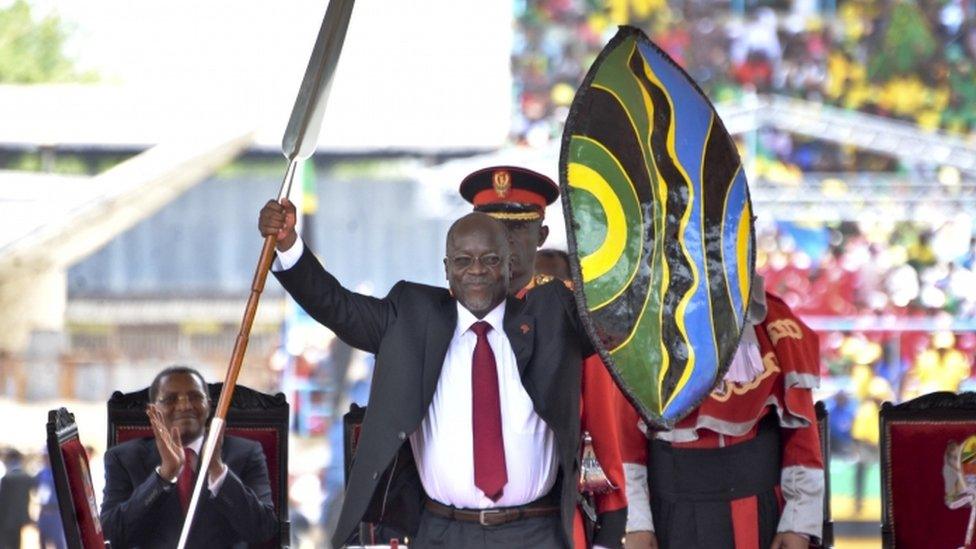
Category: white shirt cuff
[215,485]
[639,517]
[286,260]
[172,480]
[803,490]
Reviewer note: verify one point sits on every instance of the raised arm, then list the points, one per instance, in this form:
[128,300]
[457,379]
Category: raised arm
[357,319]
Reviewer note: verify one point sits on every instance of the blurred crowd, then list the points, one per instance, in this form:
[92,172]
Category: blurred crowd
[901,59]
[866,369]
[28,499]
[875,266]
[902,286]
[894,303]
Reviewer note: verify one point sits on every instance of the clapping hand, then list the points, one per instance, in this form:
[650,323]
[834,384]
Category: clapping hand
[168,443]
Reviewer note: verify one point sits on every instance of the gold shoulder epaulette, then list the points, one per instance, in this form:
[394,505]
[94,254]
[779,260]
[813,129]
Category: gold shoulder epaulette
[541,279]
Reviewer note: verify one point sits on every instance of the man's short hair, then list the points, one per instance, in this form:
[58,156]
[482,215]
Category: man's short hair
[154,386]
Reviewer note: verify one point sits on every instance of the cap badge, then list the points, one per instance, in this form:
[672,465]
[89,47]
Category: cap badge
[501,180]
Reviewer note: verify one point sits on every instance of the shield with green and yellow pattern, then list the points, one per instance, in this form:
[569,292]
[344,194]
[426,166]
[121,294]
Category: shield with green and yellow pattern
[659,227]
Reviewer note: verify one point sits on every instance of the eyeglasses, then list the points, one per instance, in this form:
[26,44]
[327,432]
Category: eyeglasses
[490,261]
[195,399]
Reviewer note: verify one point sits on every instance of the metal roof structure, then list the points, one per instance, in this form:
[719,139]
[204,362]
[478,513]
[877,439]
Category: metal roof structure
[50,222]
[902,140]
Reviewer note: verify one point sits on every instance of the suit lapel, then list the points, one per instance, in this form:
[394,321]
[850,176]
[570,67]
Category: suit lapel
[440,330]
[520,329]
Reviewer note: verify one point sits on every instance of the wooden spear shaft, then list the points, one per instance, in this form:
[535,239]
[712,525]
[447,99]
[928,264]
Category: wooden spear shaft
[236,360]
[251,309]
[297,144]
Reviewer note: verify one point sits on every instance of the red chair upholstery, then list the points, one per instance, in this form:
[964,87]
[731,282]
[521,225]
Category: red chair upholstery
[252,415]
[72,482]
[823,428]
[914,439]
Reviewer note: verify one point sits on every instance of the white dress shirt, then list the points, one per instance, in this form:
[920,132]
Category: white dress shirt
[443,447]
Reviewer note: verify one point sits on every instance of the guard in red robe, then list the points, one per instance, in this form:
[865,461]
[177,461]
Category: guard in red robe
[744,470]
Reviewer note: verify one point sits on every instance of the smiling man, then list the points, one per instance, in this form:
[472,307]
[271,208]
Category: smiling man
[472,433]
[518,197]
[148,481]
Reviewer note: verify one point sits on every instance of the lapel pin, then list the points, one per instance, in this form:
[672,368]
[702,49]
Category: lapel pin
[525,328]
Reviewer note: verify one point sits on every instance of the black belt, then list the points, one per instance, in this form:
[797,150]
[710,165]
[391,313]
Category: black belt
[494,517]
[719,474]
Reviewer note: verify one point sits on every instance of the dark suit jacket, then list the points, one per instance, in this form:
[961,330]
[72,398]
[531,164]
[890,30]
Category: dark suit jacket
[409,331]
[140,509]
[15,489]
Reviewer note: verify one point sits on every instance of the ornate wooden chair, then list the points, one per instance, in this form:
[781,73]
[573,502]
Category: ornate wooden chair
[252,415]
[72,482]
[927,476]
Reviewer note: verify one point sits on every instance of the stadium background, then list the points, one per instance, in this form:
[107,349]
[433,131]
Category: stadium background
[855,120]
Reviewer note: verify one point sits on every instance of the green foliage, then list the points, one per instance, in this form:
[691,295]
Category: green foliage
[253,167]
[25,162]
[907,45]
[70,164]
[32,51]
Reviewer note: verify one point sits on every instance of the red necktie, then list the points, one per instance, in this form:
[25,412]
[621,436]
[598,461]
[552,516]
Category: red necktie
[490,475]
[184,485]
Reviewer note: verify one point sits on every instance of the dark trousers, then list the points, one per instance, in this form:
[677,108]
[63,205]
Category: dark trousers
[535,533]
[693,490]
[711,524]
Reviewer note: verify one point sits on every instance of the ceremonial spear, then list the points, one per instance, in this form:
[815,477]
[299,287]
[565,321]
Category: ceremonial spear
[298,143]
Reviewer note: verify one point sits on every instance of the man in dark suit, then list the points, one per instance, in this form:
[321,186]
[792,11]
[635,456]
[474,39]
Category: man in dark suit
[485,387]
[15,489]
[518,197]
[148,481]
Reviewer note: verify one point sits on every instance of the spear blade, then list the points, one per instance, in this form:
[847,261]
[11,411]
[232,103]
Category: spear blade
[301,135]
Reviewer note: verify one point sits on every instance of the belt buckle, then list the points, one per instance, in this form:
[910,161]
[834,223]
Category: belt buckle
[484,514]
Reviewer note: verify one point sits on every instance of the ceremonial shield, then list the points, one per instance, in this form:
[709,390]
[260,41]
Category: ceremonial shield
[659,225]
